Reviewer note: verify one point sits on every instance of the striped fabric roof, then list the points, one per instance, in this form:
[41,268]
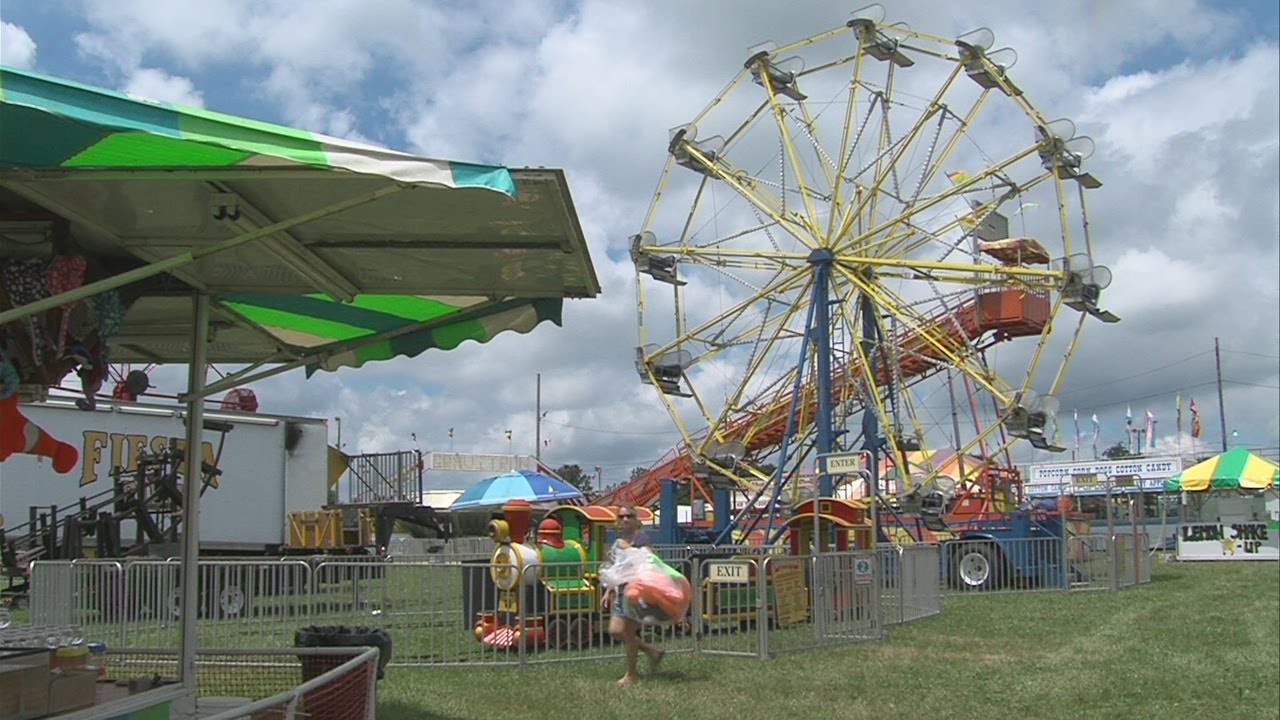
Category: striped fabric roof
[280,224]
[1235,468]
[81,126]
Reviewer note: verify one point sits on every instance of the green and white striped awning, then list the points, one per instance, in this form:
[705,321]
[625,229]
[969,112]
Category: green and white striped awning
[79,126]
[308,245]
[408,325]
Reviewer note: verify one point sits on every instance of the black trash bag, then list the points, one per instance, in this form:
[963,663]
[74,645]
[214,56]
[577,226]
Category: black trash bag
[343,636]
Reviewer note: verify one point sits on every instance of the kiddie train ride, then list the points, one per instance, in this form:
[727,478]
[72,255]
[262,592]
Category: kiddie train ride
[545,592]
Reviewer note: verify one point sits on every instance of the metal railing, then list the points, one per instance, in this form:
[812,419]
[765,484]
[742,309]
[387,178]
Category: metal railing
[347,691]
[908,578]
[241,683]
[745,601]
[385,477]
[1082,562]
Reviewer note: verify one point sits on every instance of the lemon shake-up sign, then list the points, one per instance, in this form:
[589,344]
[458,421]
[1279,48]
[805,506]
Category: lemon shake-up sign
[1228,541]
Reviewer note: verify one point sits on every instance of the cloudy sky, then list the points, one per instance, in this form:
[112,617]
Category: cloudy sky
[1181,98]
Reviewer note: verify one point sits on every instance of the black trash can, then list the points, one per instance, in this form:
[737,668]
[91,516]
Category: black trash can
[343,636]
[319,702]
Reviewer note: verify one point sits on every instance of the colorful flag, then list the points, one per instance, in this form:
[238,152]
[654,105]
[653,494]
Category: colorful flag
[1097,430]
[1178,405]
[1151,430]
[1195,419]
[1075,416]
[508,434]
[450,433]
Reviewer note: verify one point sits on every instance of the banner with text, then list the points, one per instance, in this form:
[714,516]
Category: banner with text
[1228,541]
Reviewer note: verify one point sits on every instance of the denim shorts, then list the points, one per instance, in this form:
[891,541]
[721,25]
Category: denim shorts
[617,606]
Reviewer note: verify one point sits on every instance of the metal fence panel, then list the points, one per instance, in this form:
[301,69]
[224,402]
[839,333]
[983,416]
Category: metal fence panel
[1132,553]
[891,581]
[1089,557]
[845,599]
[823,600]
[449,610]
[1004,565]
[82,593]
[729,605]
[919,592]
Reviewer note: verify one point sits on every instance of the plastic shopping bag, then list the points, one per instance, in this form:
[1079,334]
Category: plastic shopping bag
[652,592]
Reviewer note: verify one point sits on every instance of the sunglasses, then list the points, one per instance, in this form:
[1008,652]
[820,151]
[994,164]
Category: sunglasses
[623,516]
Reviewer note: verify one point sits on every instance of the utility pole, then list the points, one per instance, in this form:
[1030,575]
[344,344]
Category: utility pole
[955,428]
[537,415]
[1222,412]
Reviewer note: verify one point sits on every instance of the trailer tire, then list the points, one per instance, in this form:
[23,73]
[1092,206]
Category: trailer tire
[978,566]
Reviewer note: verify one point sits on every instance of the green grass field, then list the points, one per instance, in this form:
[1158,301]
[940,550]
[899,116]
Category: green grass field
[1202,641]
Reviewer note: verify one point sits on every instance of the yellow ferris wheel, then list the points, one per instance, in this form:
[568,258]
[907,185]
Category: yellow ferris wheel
[856,216]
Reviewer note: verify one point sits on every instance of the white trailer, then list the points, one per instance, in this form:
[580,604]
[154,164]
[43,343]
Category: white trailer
[271,465]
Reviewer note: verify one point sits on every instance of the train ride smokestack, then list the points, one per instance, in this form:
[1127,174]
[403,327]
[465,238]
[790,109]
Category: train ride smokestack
[519,513]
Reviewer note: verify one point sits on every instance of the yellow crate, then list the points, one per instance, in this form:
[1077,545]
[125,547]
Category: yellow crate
[315,529]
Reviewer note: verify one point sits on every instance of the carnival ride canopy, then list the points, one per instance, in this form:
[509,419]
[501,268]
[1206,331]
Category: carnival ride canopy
[1235,469]
[314,251]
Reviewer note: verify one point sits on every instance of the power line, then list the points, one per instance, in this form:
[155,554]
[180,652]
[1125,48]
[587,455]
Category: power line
[608,431]
[1183,388]
[1257,385]
[1130,377]
[1254,354]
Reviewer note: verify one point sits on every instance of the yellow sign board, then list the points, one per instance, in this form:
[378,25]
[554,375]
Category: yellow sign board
[790,595]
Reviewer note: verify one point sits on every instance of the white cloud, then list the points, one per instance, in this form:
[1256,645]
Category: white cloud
[17,49]
[1142,113]
[1188,146]
[154,84]
[1149,281]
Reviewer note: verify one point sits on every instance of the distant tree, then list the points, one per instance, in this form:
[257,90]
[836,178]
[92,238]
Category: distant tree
[573,475]
[1119,451]
[638,471]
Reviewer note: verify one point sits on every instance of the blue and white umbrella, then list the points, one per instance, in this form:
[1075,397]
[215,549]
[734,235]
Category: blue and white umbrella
[516,485]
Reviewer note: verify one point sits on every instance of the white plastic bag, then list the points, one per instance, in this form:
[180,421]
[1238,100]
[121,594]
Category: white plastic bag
[647,589]
[624,565]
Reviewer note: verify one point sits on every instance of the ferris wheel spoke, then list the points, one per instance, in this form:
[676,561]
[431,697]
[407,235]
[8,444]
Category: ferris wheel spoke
[931,171]
[834,146]
[932,109]
[911,240]
[756,193]
[850,108]
[789,152]
[874,236]
[781,286]
[935,338]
